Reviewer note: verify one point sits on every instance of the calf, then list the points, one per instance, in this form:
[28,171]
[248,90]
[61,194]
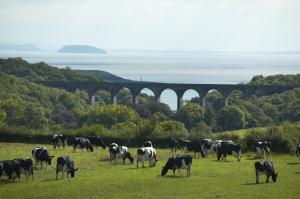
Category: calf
[229,148]
[82,143]
[195,147]
[265,167]
[14,168]
[96,141]
[147,144]
[119,152]
[178,162]
[58,140]
[263,149]
[146,153]
[41,155]
[65,164]
[25,166]
[298,151]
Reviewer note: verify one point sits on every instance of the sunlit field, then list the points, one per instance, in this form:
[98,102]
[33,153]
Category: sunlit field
[96,178]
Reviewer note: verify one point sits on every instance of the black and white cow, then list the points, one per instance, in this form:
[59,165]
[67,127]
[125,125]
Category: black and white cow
[59,140]
[178,162]
[96,141]
[298,151]
[82,143]
[119,152]
[65,164]
[147,144]
[144,154]
[41,155]
[265,167]
[14,168]
[263,149]
[229,148]
[210,147]
[196,147]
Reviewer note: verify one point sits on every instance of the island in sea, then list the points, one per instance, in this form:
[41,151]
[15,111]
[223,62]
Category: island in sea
[80,49]
[18,47]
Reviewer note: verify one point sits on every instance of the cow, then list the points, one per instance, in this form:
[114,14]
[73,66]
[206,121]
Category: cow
[14,168]
[209,146]
[65,164]
[41,155]
[263,149]
[119,152]
[298,151]
[265,167]
[146,153]
[178,162]
[229,148]
[96,141]
[147,144]
[58,140]
[174,145]
[82,142]
[195,147]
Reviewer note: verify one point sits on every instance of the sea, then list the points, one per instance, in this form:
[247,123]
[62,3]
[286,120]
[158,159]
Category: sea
[173,66]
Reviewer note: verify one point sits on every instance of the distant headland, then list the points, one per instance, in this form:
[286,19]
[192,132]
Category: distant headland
[80,49]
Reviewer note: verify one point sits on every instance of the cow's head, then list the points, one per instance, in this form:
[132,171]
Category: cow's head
[102,144]
[72,172]
[50,159]
[274,177]
[91,148]
[164,171]
[128,155]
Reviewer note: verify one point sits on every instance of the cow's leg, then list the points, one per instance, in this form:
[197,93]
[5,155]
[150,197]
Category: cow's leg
[268,176]
[137,163]
[124,159]
[56,173]
[174,172]
[31,172]
[257,176]
[179,171]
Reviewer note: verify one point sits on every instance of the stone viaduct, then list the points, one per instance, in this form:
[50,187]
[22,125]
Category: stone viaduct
[157,88]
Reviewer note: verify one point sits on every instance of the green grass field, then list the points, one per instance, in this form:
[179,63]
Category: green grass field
[96,178]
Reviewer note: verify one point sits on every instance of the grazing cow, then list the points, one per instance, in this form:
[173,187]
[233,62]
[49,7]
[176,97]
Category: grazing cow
[147,144]
[298,151]
[82,143]
[174,145]
[195,147]
[263,149]
[14,168]
[119,152]
[96,141]
[65,164]
[265,167]
[178,162]
[41,155]
[146,153]
[229,148]
[209,146]
[58,140]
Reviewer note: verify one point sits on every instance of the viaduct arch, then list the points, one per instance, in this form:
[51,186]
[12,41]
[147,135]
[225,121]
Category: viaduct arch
[157,88]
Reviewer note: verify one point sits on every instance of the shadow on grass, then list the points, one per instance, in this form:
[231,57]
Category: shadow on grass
[293,163]
[53,179]
[227,161]
[250,183]
[296,172]
[254,158]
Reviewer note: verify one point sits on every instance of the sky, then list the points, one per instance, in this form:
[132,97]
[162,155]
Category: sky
[213,25]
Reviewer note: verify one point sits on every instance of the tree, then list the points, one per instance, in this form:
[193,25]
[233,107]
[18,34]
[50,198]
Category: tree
[190,114]
[231,118]
[170,129]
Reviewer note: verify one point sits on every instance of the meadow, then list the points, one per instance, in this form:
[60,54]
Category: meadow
[96,178]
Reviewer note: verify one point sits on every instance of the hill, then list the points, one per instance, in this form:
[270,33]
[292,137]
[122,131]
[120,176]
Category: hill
[18,47]
[41,71]
[106,76]
[80,49]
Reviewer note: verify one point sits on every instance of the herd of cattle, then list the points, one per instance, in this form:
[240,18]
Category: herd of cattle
[14,168]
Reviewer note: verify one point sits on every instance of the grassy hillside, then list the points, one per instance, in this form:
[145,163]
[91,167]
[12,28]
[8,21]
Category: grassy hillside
[41,71]
[96,178]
